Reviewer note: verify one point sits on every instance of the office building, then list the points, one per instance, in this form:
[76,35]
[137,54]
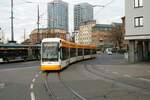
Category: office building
[82,12]
[84,35]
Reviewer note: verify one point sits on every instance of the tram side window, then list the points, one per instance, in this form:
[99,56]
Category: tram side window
[65,53]
[93,51]
[87,52]
[80,52]
[72,52]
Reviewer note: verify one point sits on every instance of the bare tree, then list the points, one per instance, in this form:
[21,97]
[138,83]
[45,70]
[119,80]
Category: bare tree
[117,32]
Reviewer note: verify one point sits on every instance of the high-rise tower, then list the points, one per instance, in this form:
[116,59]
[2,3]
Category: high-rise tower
[58,15]
[82,12]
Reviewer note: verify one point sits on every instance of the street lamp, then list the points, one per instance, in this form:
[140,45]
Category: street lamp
[38,19]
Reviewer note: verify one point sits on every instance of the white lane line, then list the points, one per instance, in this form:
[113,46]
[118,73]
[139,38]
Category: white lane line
[33,80]
[143,79]
[14,69]
[36,75]
[126,75]
[115,72]
[31,86]
[2,85]
[32,96]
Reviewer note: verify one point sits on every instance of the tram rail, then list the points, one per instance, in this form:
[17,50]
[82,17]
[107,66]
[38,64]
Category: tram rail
[101,74]
[53,94]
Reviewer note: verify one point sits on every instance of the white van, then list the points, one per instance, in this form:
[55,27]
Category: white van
[109,51]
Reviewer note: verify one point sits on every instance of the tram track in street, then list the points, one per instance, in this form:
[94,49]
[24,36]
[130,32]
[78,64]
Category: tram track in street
[52,93]
[115,81]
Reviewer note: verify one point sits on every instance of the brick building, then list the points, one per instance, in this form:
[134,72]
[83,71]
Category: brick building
[102,36]
[36,37]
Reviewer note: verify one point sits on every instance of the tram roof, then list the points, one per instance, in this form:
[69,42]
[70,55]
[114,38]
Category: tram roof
[68,44]
[75,45]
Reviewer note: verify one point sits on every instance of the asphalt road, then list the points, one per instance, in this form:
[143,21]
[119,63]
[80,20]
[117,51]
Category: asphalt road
[108,77]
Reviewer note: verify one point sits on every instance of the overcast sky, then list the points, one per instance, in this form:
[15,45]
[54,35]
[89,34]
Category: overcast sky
[26,14]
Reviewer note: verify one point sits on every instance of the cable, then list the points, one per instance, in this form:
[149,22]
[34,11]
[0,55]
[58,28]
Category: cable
[26,1]
[107,4]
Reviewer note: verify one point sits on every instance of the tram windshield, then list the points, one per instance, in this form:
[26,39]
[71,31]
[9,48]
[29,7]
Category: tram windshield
[50,51]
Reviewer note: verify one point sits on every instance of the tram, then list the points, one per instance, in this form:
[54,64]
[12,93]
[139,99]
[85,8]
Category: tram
[57,53]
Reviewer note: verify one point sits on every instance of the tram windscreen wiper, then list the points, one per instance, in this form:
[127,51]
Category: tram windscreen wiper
[51,59]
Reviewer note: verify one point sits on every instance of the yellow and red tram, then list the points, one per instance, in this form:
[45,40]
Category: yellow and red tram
[57,53]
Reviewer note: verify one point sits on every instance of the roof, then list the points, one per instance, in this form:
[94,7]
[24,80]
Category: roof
[103,26]
[116,24]
[16,45]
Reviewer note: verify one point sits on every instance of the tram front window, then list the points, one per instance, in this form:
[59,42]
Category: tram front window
[50,51]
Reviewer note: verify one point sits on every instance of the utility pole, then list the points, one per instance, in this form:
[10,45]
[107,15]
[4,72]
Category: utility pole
[0,35]
[38,24]
[12,23]
[3,36]
[24,34]
[53,18]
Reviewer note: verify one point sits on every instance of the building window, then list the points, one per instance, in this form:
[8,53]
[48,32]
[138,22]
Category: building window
[138,3]
[138,21]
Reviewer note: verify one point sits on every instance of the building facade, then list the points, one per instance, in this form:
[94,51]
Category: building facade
[84,35]
[82,12]
[138,29]
[58,15]
[102,36]
[37,36]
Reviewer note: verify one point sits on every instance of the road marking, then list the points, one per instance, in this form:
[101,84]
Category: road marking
[101,68]
[2,85]
[143,79]
[107,70]
[75,93]
[14,69]
[32,96]
[33,80]
[115,72]
[126,75]
[31,86]
[36,75]
[40,72]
